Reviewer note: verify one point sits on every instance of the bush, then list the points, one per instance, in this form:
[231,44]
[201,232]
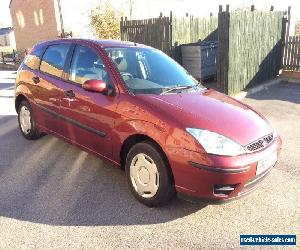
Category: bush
[105,21]
[6,49]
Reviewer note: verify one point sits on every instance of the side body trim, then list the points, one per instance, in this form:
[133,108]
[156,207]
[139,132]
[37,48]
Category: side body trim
[220,170]
[72,121]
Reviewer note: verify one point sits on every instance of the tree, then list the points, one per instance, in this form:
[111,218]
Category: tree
[297,28]
[105,21]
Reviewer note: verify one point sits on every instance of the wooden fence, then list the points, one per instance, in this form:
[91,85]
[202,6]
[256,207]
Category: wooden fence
[8,57]
[191,29]
[250,48]
[165,33]
[12,59]
[155,32]
[291,54]
[250,42]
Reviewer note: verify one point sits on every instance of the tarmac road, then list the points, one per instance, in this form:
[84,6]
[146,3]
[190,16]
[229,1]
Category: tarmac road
[53,195]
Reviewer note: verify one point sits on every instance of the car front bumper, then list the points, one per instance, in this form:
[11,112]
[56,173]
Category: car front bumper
[218,177]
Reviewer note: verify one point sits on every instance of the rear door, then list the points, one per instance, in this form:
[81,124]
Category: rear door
[88,117]
[27,77]
[48,92]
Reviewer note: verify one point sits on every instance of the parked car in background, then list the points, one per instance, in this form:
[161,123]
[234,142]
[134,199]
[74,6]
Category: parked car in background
[135,107]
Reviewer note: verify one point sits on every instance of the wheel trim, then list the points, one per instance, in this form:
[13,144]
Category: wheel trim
[25,120]
[144,175]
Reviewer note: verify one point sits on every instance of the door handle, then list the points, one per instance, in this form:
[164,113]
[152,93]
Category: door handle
[36,79]
[69,94]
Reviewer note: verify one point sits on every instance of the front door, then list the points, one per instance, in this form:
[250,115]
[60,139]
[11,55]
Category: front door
[88,117]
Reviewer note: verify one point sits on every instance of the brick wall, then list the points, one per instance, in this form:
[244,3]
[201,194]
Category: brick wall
[33,21]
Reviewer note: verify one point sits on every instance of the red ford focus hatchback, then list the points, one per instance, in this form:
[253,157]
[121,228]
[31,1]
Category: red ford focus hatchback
[134,106]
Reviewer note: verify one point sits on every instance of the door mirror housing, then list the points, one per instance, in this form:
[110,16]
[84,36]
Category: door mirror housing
[95,86]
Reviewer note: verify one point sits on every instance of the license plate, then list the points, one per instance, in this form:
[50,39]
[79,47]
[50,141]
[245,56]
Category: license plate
[266,163]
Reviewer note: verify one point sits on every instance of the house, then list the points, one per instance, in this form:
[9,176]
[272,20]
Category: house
[7,37]
[33,21]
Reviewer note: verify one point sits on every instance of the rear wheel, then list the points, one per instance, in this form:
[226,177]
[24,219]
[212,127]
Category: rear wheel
[148,174]
[27,122]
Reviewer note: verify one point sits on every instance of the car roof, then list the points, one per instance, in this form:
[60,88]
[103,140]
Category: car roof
[102,43]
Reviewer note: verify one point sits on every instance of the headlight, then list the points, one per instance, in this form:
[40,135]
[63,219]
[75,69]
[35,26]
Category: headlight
[214,143]
[275,132]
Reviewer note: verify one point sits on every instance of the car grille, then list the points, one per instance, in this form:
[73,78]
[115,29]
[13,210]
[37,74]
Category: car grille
[260,144]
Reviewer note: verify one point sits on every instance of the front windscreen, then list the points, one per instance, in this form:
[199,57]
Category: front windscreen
[150,71]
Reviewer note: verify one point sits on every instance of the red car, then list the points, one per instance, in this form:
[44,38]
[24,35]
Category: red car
[134,106]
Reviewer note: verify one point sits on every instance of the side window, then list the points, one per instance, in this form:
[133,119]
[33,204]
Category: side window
[33,59]
[54,59]
[87,65]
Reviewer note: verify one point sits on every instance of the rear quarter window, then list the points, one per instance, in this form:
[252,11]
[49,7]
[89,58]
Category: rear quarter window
[54,59]
[33,59]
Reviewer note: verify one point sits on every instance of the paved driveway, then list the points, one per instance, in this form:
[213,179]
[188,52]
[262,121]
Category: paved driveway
[53,195]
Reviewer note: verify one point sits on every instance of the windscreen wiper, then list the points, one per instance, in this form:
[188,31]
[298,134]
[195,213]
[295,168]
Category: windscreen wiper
[168,90]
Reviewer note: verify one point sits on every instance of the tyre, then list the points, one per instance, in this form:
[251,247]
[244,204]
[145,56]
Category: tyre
[27,122]
[148,174]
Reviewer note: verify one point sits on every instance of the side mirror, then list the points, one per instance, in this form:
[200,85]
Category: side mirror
[95,86]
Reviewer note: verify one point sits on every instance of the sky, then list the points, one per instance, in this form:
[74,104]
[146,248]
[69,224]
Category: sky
[151,8]
[5,19]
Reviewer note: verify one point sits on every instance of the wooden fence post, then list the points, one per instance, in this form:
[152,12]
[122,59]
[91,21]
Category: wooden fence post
[220,36]
[2,56]
[223,49]
[171,33]
[289,20]
[227,7]
[121,28]
[14,56]
[285,38]
[226,65]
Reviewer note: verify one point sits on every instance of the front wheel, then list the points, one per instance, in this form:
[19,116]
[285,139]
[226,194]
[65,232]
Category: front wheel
[27,122]
[149,175]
